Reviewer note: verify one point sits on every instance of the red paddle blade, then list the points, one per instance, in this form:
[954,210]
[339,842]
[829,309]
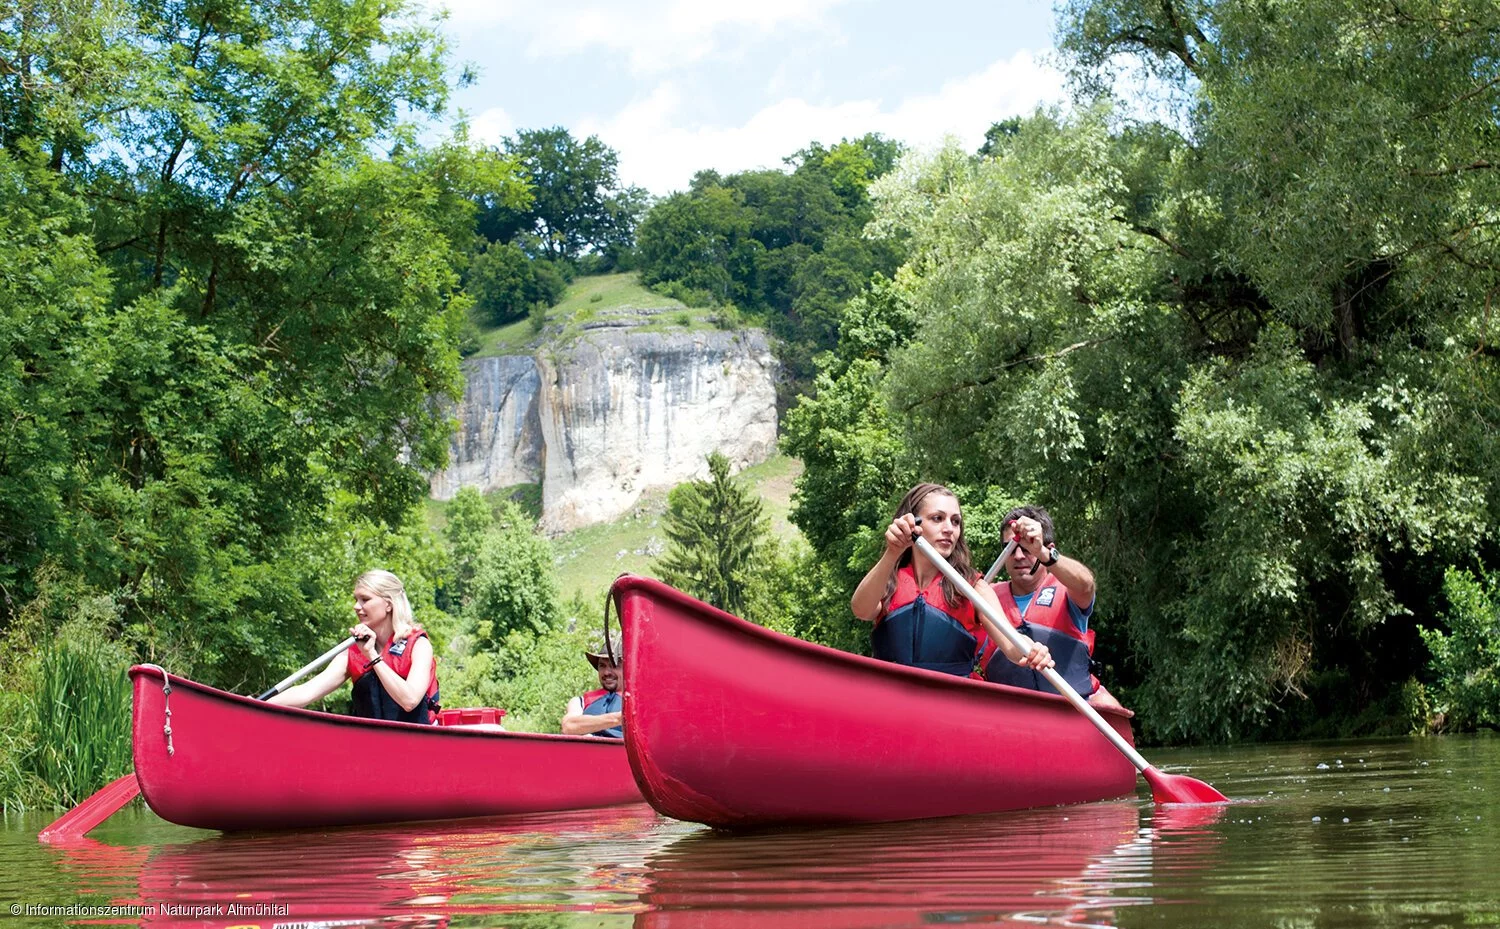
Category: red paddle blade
[1179,788]
[101,805]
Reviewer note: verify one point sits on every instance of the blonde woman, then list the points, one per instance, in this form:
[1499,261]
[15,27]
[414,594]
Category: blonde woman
[391,661]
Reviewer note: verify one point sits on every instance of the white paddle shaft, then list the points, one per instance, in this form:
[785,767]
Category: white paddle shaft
[989,576]
[1053,678]
[296,676]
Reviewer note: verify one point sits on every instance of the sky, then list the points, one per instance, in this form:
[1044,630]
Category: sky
[677,86]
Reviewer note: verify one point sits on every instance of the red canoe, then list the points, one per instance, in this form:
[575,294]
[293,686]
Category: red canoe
[730,724]
[232,762]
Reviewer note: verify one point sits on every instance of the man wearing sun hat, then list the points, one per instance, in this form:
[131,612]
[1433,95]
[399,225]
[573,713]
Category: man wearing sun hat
[599,712]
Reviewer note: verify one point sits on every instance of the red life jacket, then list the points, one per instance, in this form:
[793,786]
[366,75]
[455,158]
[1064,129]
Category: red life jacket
[923,630]
[599,702]
[1048,621]
[370,699]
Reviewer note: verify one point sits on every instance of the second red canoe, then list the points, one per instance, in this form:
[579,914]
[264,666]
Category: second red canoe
[231,762]
[733,725]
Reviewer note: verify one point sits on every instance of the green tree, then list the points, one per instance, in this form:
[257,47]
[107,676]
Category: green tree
[696,239]
[505,284]
[577,205]
[514,586]
[268,310]
[996,136]
[714,528]
[1466,658]
[854,468]
[53,367]
[786,246]
[469,520]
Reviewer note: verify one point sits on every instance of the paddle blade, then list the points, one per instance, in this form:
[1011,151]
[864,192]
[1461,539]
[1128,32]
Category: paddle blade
[1179,788]
[101,805]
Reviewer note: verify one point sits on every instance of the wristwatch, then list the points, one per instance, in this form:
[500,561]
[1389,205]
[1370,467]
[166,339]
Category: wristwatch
[1051,553]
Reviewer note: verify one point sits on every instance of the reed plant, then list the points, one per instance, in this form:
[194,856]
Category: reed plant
[73,735]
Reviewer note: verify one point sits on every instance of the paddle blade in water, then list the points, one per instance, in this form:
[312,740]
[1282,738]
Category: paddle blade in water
[1179,788]
[100,805]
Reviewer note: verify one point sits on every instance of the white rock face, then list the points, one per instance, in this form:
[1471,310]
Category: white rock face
[617,414]
[499,438]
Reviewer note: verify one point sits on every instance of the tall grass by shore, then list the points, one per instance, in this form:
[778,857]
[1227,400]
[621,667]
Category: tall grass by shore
[71,734]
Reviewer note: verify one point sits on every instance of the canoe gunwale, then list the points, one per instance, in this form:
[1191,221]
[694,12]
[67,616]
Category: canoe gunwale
[824,653]
[152,674]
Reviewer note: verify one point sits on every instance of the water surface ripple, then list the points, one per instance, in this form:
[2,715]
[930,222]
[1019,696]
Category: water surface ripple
[1397,833]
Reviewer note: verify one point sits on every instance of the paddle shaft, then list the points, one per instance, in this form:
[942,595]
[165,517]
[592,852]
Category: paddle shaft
[989,575]
[297,675]
[1053,678]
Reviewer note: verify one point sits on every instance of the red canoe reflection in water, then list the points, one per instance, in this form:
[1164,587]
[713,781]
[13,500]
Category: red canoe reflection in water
[1020,868]
[1076,865]
[417,875]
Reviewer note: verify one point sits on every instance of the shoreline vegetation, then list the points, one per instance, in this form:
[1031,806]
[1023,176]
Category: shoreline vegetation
[1238,338]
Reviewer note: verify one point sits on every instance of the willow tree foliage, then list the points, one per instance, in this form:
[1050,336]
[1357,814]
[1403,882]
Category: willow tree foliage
[229,300]
[1466,657]
[1241,349]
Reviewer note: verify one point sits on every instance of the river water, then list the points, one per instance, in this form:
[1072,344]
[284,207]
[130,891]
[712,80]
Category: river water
[1394,833]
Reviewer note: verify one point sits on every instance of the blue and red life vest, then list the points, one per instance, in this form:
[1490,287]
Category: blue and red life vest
[923,630]
[599,702]
[370,699]
[1049,621]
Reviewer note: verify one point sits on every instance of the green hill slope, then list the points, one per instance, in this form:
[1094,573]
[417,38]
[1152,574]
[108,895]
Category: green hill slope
[589,559]
[596,300]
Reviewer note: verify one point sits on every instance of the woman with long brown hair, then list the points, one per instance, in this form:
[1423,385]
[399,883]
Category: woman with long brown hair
[920,617]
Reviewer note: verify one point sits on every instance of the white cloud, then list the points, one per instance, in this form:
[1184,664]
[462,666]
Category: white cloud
[659,154]
[491,127]
[654,36]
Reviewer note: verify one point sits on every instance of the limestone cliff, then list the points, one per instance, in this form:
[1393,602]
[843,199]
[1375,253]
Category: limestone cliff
[499,440]
[613,415]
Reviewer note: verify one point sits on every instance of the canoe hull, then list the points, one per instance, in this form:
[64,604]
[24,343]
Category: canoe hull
[781,731]
[237,763]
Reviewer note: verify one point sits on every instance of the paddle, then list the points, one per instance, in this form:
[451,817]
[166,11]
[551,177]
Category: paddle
[300,673]
[995,568]
[1165,788]
[112,797]
[99,806]
[1010,546]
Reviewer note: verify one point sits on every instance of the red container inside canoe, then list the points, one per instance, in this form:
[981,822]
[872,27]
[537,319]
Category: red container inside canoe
[470,716]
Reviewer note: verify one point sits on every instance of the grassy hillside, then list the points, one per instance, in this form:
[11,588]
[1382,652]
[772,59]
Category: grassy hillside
[599,299]
[589,559]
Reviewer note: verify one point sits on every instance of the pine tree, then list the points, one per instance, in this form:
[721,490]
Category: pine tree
[714,528]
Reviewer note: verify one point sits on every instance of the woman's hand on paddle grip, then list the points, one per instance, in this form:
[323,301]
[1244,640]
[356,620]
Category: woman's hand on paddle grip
[902,531]
[364,637]
[1038,659]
